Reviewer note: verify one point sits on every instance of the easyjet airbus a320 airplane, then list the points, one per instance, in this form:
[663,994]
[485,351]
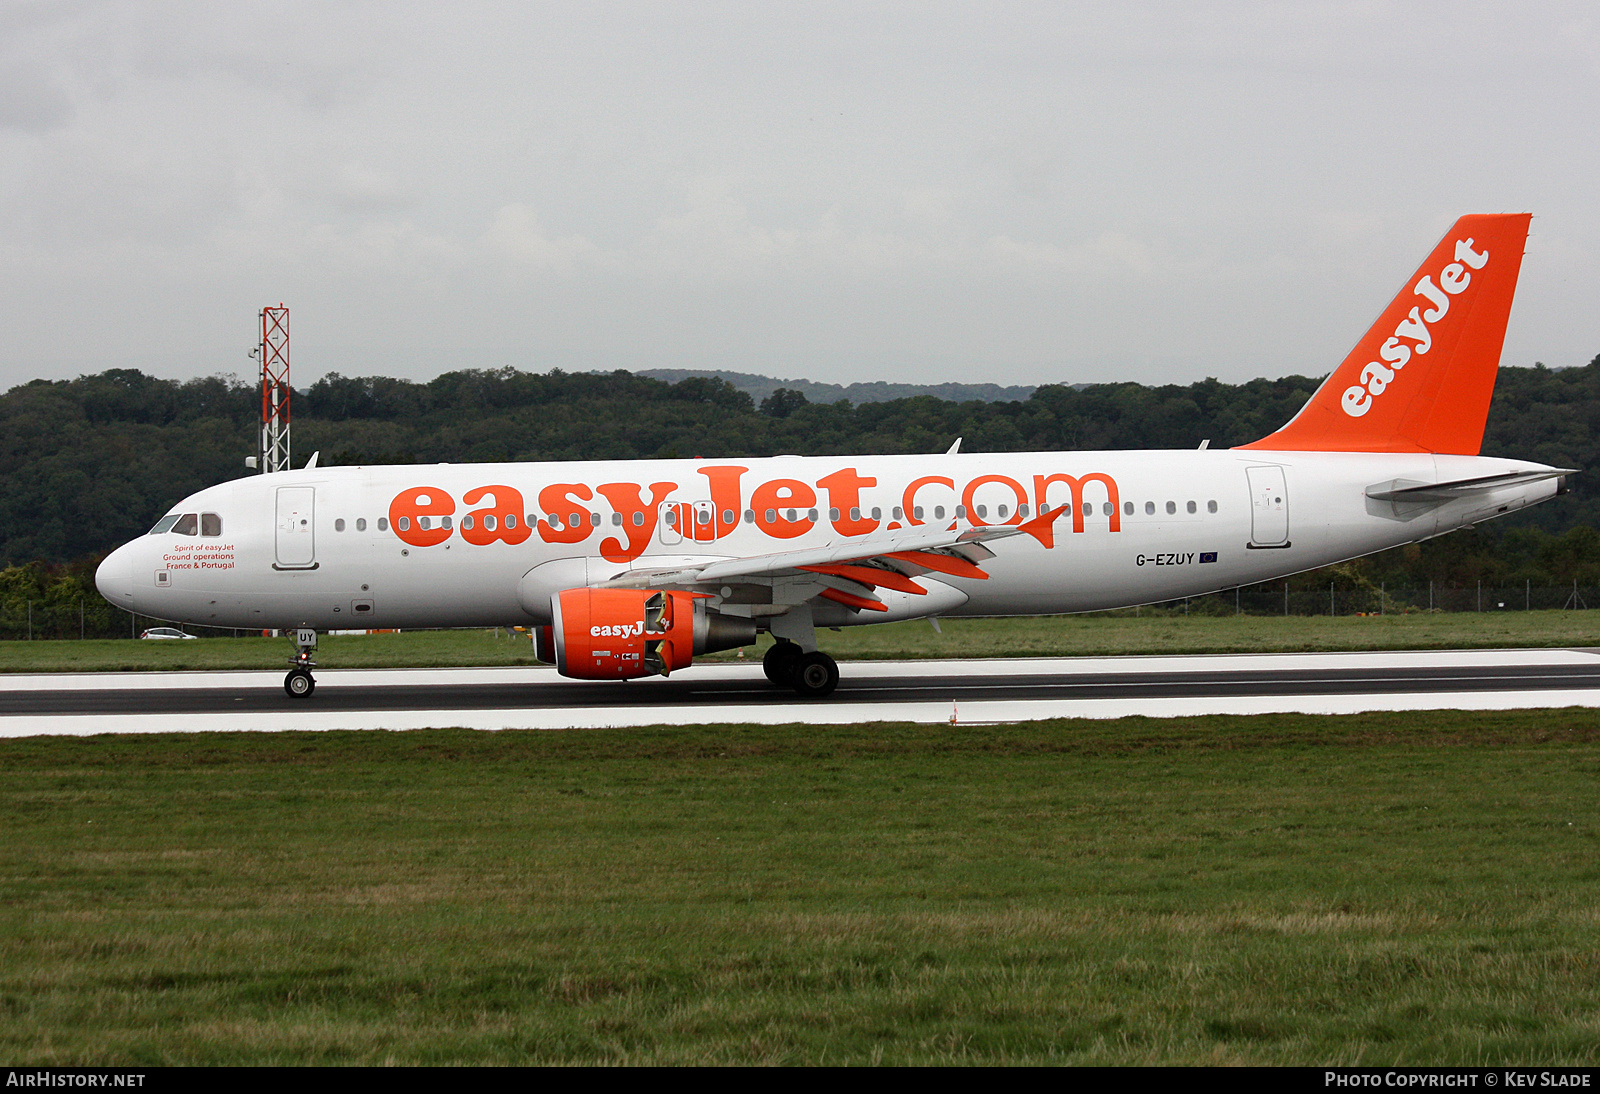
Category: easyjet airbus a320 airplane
[631,568]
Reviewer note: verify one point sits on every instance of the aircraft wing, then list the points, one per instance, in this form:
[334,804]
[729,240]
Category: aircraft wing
[847,572]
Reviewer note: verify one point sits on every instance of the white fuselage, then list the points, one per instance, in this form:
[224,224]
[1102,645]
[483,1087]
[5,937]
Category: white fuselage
[323,548]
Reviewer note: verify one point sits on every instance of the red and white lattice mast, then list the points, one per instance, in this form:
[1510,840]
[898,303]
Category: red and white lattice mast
[274,351]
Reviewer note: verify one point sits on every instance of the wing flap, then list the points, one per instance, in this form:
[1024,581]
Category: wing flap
[851,600]
[945,551]
[873,577]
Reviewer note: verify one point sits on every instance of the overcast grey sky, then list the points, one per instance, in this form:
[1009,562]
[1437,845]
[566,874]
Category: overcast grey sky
[1009,193]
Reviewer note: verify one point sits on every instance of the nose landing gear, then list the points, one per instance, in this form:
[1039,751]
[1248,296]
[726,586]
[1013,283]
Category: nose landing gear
[300,683]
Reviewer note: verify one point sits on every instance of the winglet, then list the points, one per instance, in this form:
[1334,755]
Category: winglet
[1422,377]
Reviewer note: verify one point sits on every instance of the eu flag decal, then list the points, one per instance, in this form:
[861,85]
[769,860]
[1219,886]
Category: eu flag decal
[1208,556]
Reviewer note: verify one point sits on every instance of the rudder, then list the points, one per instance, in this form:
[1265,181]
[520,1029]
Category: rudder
[1421,379]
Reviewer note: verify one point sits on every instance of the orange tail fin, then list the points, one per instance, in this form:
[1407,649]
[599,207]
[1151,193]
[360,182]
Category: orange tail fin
[1421,378]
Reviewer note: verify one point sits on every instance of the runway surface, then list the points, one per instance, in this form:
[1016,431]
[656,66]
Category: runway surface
[916,691]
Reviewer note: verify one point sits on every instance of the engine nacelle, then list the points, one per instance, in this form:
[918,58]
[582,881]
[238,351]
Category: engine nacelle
[621,634]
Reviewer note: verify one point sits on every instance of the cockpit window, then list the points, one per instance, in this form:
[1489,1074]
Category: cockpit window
[189,524]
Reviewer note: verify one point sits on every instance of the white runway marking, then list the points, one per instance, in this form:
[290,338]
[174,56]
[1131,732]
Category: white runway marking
[850,670]
[840,711]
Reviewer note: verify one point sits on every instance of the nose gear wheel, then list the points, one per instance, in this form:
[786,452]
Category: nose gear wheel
[299,683]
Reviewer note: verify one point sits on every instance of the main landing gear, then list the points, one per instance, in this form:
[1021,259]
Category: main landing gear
[300,683]
[780,660]
[812,675]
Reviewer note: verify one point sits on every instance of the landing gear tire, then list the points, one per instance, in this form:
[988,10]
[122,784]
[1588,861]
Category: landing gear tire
[815,675]
[299,684]
[779,663]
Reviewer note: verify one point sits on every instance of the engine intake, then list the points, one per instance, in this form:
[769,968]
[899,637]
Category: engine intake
[622,634]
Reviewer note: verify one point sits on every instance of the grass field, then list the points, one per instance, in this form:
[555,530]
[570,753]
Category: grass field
[1041,636]
[1417,888]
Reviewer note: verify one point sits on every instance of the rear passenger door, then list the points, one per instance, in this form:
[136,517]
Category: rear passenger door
[1269,506]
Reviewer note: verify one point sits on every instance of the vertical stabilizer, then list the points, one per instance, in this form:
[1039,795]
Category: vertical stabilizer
[1421,378]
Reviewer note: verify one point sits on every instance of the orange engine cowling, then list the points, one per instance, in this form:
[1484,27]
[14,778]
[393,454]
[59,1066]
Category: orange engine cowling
[620,634]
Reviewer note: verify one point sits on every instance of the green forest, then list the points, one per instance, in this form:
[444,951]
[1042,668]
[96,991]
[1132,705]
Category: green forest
[92,462]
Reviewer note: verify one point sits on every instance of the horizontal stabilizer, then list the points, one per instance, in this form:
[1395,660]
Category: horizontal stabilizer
[1407,490]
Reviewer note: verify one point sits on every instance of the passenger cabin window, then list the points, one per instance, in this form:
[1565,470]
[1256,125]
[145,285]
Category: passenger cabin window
[338,525]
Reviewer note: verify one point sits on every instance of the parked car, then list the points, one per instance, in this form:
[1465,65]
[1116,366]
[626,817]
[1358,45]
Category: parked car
[165,632]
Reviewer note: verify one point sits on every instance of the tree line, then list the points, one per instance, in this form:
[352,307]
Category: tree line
[89,463]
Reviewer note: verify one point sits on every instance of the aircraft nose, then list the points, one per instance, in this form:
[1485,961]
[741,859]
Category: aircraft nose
[114,578]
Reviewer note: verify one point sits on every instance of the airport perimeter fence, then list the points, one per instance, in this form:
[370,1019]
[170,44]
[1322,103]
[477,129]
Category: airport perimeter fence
[86,617]
[93,617]
[1280,598]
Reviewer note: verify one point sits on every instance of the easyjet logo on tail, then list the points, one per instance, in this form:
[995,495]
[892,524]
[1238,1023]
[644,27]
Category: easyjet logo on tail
[1422,376]
[1378,375]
